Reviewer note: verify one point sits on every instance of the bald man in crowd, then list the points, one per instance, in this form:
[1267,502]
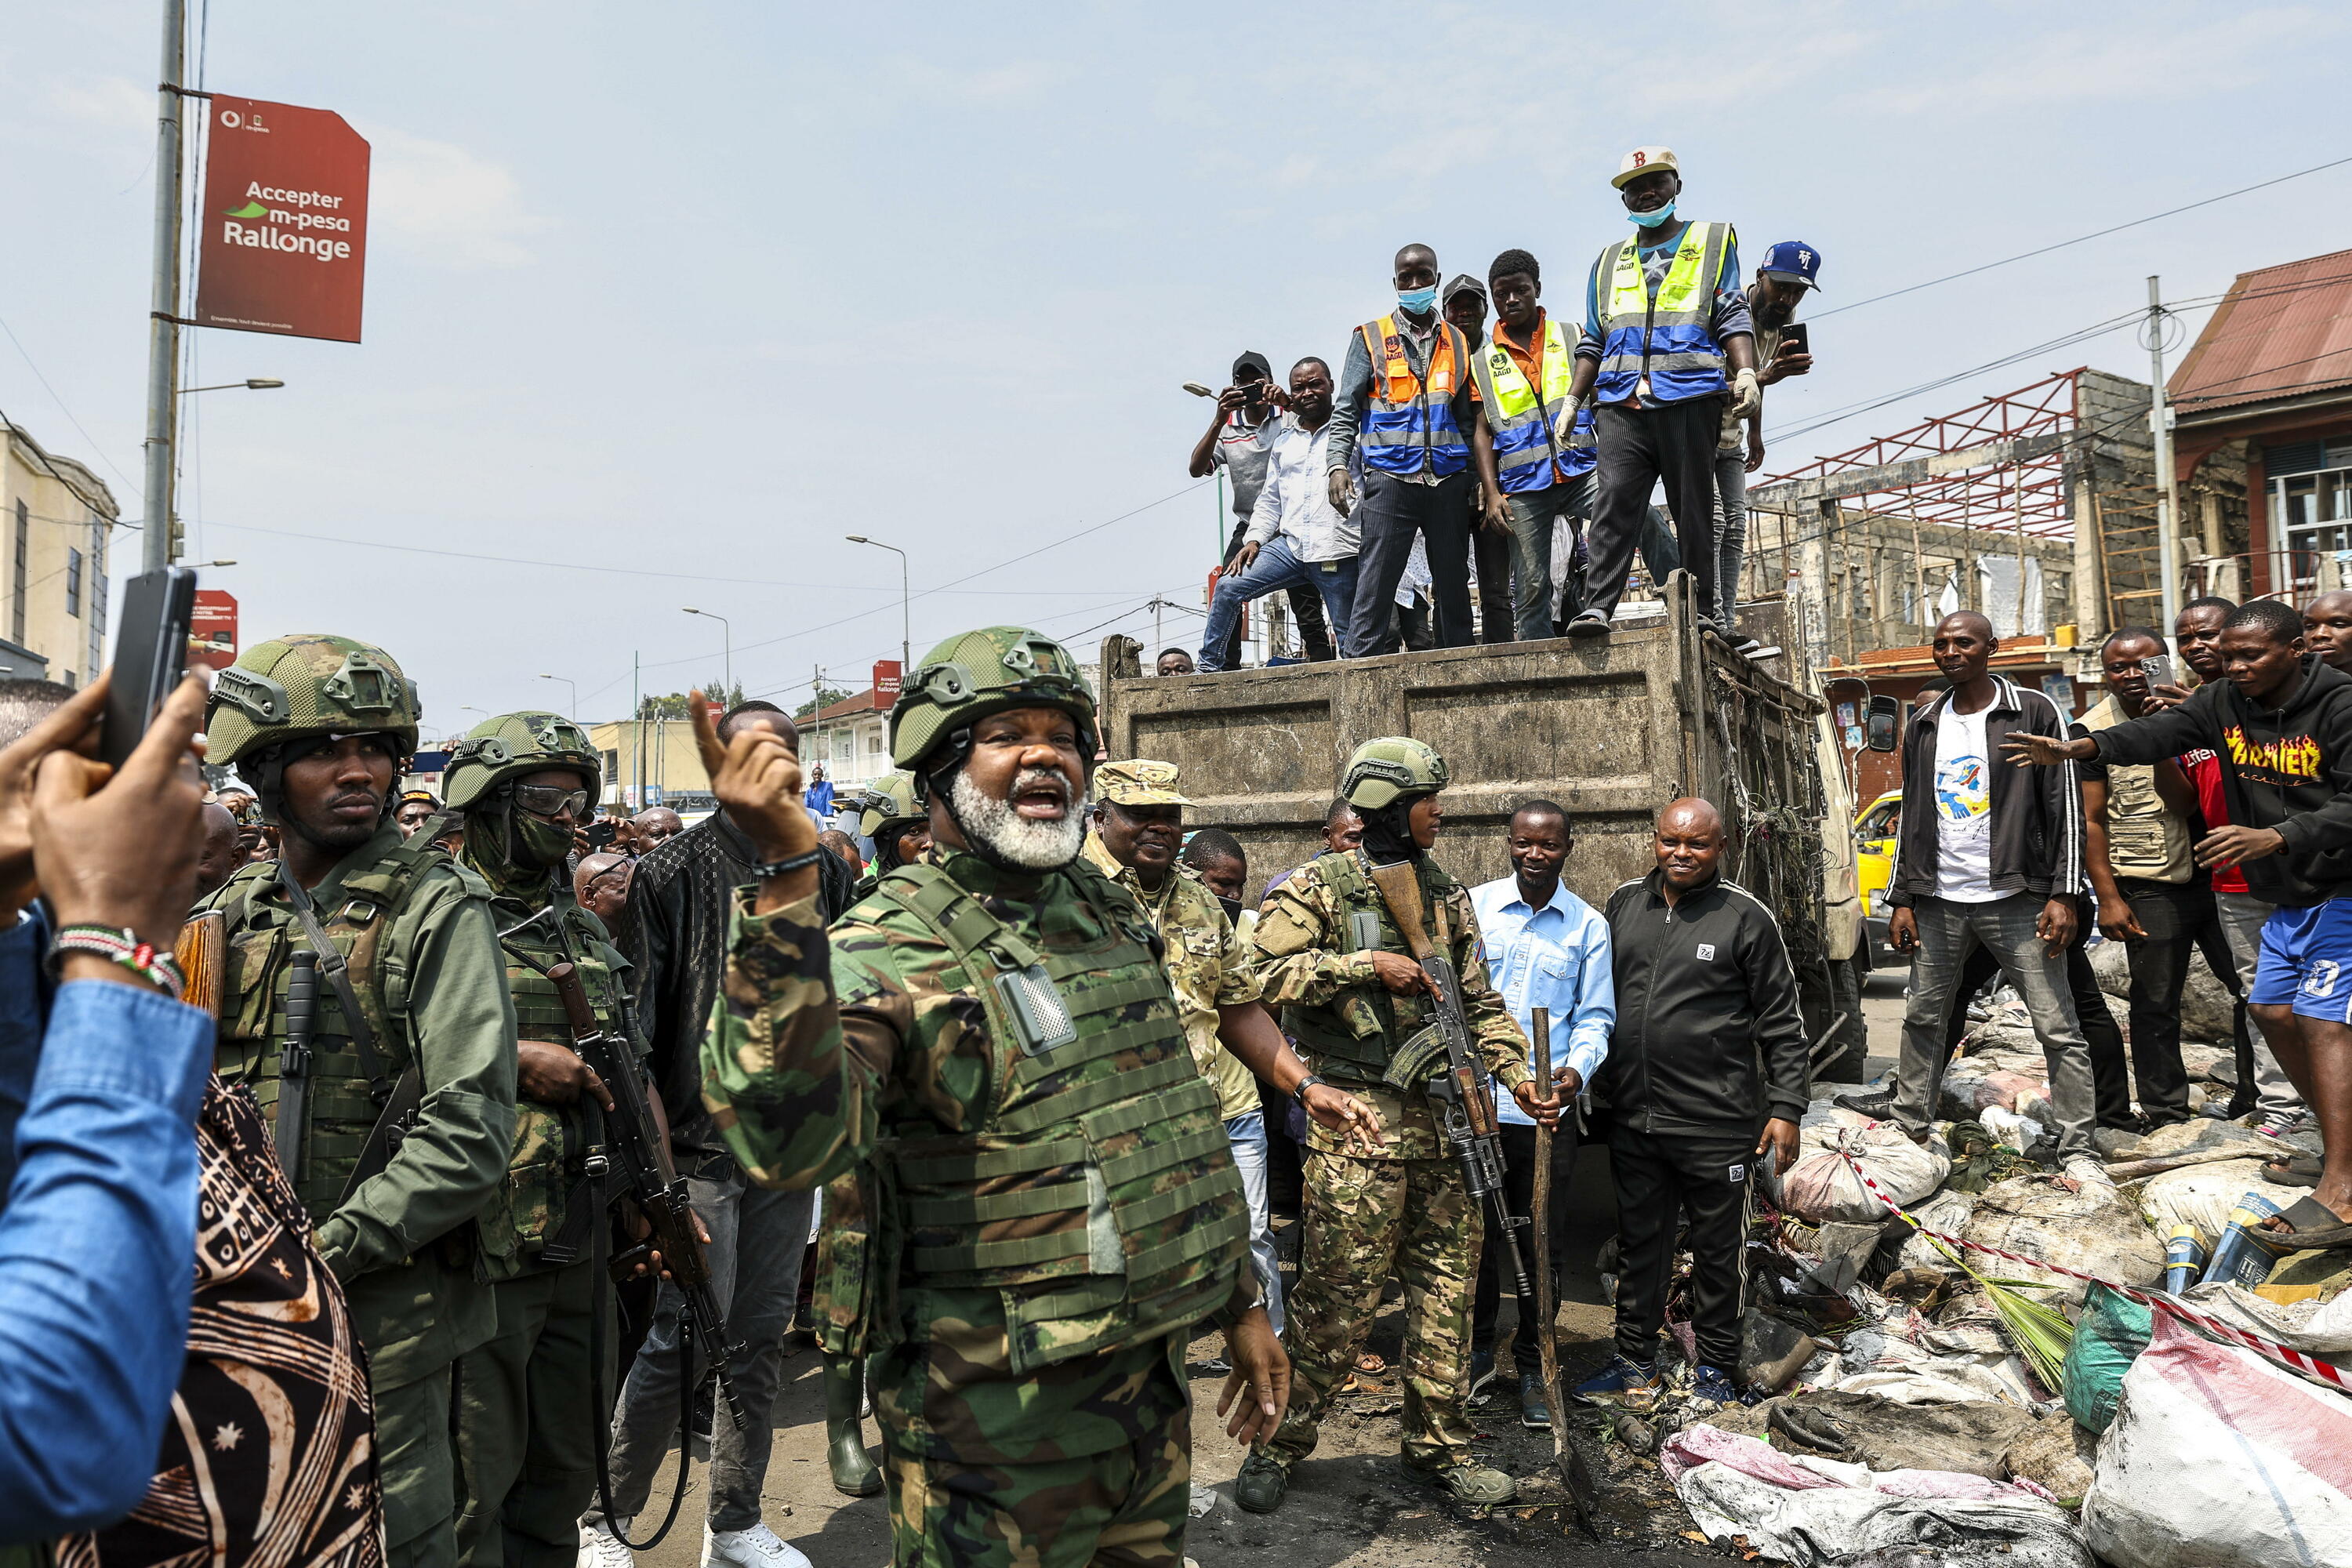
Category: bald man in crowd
[1707,1076]
[653,825]
[223,854]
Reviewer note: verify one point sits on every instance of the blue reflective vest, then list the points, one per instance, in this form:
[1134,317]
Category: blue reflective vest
[1408,421]
[1528,452]
[1668,342]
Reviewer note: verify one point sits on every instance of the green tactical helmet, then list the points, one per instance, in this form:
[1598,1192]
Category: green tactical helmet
[968,678]
[308,683]
[513,744]
[891,804]
[1391,768]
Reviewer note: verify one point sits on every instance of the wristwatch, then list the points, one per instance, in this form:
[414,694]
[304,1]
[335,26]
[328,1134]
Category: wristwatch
[1299,1095]
[791,863]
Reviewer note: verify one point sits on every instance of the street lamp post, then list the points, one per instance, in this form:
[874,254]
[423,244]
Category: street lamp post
[252,383]
[574,711]
[726,632]
[906,612]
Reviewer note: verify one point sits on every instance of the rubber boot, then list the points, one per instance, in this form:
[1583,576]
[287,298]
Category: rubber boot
[844,1436]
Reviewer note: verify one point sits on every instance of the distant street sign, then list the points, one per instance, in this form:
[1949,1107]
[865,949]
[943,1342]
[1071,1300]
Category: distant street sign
[284,221]
[212,629]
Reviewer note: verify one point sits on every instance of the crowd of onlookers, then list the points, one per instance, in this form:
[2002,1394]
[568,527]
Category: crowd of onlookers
[1470,433]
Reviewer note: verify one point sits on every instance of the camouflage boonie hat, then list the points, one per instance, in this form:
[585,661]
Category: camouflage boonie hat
[1391,768]
[891,804]
[309,683]
[513,744]
[1138,782]
[991,670]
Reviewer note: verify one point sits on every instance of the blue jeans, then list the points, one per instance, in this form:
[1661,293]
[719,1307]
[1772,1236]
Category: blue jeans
[1246,1133]
[1275,568]
[1533,515]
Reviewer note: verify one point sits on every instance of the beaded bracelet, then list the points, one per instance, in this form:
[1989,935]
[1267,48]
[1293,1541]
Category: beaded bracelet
[123,946]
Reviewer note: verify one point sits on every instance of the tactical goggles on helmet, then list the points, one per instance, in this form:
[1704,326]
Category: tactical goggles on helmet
[551,800]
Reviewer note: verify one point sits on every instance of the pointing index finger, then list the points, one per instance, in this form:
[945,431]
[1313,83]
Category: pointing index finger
[706,734]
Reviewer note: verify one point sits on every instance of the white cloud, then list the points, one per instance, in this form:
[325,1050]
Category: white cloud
[927,81]
[444,204]
[2052,70]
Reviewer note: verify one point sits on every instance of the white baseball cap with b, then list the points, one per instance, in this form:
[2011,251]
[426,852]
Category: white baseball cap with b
[1642,160]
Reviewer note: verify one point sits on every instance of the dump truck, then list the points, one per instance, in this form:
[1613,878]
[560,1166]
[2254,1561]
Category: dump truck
[1610,730]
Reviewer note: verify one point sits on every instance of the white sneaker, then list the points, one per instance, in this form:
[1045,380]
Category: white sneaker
[601,1547]
[758,1547]
[2088,1171]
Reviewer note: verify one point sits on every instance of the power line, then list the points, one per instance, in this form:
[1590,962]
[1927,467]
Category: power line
[2082,238]
[60,402]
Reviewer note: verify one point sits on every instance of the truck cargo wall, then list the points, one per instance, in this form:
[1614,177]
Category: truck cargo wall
[1610,731]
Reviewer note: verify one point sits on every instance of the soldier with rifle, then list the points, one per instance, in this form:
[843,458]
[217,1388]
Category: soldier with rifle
[391,1092]
[1374,955]
[992,1035]
[528,1402]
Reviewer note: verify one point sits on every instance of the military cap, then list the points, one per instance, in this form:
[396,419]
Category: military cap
[1391,768]
[1141,782]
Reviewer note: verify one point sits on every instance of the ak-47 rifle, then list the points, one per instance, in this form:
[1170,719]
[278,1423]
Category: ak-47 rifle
[294,1063]
[649,1179]
[1442,1060]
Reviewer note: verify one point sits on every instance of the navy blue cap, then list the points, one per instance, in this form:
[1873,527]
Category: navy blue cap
[1793,259]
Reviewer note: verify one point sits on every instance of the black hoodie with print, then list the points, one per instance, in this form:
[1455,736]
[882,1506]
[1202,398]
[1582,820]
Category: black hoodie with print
[2288,768]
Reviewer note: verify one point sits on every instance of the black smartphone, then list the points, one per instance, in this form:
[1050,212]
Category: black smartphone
[1794,340]
[150,655]
[601,831]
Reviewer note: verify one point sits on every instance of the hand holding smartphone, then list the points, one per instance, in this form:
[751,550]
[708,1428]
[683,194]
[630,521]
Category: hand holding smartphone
[151,656]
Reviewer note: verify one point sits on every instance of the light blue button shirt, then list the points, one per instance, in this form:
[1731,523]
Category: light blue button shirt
[1556,958]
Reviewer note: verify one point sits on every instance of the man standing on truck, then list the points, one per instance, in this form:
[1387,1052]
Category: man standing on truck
[1333,953]
[1404,408]
[1668,338]
[1240,439]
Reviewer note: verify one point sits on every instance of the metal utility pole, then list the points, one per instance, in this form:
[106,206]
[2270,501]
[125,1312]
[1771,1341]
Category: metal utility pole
[156,547]
[637,733]
[2168,487]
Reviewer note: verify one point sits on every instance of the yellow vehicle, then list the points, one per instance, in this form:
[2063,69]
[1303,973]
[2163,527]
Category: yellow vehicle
[1873,837]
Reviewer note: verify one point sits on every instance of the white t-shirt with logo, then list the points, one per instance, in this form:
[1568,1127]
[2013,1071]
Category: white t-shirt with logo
[1963,803]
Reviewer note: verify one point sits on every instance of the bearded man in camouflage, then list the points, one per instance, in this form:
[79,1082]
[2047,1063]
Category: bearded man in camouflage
[1332,953]
[990,1033]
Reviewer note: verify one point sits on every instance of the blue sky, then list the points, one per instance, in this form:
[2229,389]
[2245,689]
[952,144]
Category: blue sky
[700,288]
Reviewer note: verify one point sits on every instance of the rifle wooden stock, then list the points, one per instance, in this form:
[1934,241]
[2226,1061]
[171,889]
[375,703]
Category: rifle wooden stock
[201,944]
[1401,891]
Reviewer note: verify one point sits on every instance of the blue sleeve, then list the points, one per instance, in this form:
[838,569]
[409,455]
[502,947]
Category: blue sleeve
[1589,345]
[1731,315]
[1596,1001]
[1348,407]
[23,997]
[98,1256]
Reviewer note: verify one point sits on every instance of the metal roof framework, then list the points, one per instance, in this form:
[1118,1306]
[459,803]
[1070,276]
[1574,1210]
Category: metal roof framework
[1979,468]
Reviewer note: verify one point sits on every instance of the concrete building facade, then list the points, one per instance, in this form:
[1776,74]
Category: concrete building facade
[55,520]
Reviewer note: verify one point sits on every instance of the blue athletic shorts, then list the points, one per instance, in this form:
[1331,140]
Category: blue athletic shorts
[2306,961]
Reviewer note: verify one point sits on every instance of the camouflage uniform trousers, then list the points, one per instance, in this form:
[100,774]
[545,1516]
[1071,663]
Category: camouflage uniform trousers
[419,1474]
[1125,1509]
[526,1422]
[1366,1219]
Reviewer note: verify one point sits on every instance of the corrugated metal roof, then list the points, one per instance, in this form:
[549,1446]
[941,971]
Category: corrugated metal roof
[2281,331]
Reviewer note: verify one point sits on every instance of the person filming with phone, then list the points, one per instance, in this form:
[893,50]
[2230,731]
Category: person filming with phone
[1240,440]
[1791,269]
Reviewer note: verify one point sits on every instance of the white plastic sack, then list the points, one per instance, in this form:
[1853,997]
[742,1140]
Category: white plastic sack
[2218,1458]
[1808,1510]
[2202,1195]
[1822,1187]
[1946,1212]
[2094,1231]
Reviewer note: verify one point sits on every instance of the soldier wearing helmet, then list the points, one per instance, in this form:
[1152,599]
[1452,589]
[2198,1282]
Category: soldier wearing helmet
[1332,956]
[526,1413]
[992,1027]
[394,1116]
[899,824]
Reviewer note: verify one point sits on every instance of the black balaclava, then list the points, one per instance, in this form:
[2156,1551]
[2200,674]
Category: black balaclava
[511,848]
[1388,831]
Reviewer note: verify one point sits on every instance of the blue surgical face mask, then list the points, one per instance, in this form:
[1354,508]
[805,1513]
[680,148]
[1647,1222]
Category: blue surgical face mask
[1419,301]
[1652,219]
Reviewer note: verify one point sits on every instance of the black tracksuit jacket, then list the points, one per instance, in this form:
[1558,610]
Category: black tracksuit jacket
[1707,1035]
[2037,813]
[2288,768]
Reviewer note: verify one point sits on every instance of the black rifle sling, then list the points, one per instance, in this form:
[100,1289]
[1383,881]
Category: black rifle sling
[406,1094]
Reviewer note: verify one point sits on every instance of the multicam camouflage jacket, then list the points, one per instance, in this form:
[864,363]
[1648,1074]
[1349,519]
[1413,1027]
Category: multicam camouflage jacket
[1000,1339]
[1315,939]
[1208,967]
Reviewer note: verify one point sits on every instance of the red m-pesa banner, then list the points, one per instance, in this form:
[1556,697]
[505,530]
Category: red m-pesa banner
[284,221]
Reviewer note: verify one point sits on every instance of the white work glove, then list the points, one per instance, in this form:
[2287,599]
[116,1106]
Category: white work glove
[1564,432]
[1747,394]
[1337,486]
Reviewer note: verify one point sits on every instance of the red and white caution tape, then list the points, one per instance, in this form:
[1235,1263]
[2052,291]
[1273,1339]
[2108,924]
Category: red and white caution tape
[2286,1355]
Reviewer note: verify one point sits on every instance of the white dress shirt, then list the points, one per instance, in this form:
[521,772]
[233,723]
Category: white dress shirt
[1295,500]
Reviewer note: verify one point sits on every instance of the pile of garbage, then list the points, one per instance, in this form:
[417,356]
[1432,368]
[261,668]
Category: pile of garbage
[2003,1402]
